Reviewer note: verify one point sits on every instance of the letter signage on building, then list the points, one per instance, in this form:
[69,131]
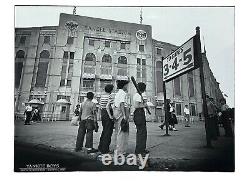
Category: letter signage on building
[180,61]
[141,35]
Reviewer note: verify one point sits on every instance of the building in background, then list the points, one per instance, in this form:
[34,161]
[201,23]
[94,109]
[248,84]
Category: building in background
[55,66]
[183,90]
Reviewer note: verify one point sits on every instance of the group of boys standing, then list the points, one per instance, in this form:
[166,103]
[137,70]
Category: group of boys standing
[114,115]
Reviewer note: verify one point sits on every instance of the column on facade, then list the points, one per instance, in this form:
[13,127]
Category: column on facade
[26,81]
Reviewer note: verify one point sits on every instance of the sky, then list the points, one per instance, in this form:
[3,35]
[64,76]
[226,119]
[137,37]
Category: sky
[174,25]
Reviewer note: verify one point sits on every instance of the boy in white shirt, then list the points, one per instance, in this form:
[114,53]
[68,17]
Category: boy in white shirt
[121,113]
[187,116]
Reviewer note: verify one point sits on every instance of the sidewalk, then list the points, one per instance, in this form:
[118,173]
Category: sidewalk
[183,150]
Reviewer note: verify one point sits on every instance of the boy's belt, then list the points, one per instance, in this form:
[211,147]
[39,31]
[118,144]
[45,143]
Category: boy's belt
[140,108]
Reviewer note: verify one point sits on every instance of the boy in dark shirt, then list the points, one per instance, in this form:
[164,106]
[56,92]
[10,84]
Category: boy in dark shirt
[88,123]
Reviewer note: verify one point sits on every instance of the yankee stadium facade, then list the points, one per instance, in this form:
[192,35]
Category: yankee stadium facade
[55,66]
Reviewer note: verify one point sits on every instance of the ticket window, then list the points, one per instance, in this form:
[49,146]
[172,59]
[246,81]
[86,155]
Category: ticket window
[63,110]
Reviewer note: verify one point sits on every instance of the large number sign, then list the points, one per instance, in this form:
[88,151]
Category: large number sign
[180,61]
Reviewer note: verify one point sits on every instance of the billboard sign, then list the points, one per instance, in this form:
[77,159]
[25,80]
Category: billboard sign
[180,61]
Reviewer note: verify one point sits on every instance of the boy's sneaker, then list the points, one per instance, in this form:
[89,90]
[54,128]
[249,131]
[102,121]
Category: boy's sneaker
[99,157]
[175,129]
[92,150]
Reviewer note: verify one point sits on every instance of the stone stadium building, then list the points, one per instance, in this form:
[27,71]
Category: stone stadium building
[55,66]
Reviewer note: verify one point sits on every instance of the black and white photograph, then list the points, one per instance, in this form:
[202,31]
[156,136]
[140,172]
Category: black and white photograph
[124,88]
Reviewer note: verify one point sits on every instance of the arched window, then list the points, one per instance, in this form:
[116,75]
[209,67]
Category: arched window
[90,62]
[42,68]
[122,66]
[90,57]
[19,67]
[106,68]
[122,60]
[20,54]
[106,58]
[44,54]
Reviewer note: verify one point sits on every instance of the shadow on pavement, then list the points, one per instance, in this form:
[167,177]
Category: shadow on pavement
[37,158]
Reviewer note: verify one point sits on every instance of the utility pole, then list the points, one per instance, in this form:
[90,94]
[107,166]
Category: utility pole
[166,106]
[203,91]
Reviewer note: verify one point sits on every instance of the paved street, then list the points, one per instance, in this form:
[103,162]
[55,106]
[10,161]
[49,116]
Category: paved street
[183,150]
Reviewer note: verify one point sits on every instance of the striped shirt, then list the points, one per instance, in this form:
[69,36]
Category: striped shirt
[104,100]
